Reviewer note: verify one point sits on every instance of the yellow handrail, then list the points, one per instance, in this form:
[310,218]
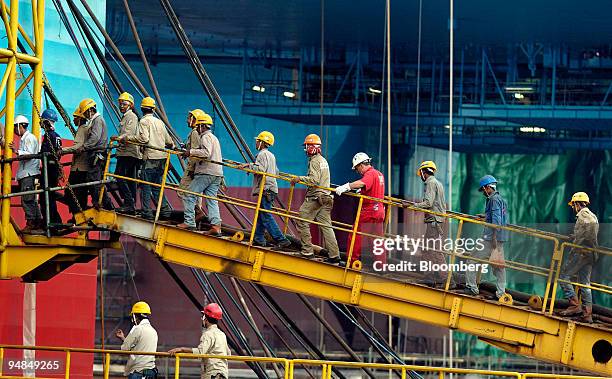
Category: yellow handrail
[288,364]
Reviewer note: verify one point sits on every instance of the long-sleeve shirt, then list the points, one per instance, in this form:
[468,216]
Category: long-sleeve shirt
[193,142]
[586,228]
[80,161]
[265,162]
[433,199]
[97,136]
[318,175]
[129,127]
[143,338]
[152,132]
[213,342]
[51,143]
[496,212]
[210,150]
[28,167]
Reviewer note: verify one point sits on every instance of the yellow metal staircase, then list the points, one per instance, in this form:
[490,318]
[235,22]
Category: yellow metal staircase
[515,329]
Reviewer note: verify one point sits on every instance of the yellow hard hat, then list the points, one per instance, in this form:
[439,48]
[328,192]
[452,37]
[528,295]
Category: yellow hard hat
[203,118]
[147,102]
[194,113]
[126,97]
[312,139]
[579,196]
[266,137]
[426,164]
[141,308]
[85,104]
[78,112]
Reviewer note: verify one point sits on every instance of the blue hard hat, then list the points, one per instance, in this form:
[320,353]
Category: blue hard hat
[49,114]
[485,181]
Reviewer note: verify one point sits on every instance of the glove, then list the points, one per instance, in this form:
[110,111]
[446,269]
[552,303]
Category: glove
[343,188]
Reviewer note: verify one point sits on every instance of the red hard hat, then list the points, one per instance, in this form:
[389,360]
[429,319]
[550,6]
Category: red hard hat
[213,310]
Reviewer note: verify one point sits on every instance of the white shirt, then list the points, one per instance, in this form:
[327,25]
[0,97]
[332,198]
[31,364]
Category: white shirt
[213,342]
[29,167]
[142,338]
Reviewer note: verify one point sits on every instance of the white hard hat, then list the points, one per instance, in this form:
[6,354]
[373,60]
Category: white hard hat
[360,158]
[20,119]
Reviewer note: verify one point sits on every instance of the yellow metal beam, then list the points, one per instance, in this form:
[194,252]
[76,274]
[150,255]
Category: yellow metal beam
[526,332]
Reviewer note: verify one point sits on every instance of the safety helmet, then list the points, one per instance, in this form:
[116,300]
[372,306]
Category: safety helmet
[147,102]
[49,114]
[21,119]
[213,310]
[312,139]
[141,308]
[579,196]
[126,96]
[266,137]
[203,118]
[485,181]
[85,104]
[361,158]
[77,112]
[426,164]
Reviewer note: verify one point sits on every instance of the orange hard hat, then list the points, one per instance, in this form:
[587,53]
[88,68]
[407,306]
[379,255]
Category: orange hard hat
[312,139]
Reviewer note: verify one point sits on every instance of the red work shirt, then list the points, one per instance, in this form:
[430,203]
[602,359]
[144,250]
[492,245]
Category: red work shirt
[374,187]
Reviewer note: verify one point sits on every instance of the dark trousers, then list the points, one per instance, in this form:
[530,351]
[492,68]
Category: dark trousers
[80,194]
[128,167]
[95,174]
[53,175]
[153,172]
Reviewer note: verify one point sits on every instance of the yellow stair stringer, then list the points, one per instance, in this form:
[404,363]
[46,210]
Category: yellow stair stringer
[511,328]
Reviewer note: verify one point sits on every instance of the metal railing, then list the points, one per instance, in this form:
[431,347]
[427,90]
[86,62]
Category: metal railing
[551,273]
[288,365]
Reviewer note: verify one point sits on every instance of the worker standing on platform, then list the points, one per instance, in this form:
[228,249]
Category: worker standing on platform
[212,342]
[208,176]
[433,200]
[52,145]
[129,156]
[27,173]
[580,262]
[80,164]
[496,212]
[266,162]
[95,144]
[372,216]
[318,202]
[142,338]
[193,142]
[152,133]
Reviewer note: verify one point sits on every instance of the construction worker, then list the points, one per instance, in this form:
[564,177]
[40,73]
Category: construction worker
[193,142]
[129,156]
[142,338]
[318,202]
[152,132]
[496,212]
[95,144]
[433,200]
[207,178]
[52,145]
[212,342]
[27,173]
[266,162]
[77,197]
[580,262]
[372,216]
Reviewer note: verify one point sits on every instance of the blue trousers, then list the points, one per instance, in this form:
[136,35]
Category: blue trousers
[266,221]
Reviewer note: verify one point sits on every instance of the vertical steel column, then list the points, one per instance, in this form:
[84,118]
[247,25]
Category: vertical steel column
[38,22]
[553,94]
[8,130]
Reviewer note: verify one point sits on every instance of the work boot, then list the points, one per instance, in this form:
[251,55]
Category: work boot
[284,243]
[573,309]
[215,231]
[587,314]
[27,229]
[126,210]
